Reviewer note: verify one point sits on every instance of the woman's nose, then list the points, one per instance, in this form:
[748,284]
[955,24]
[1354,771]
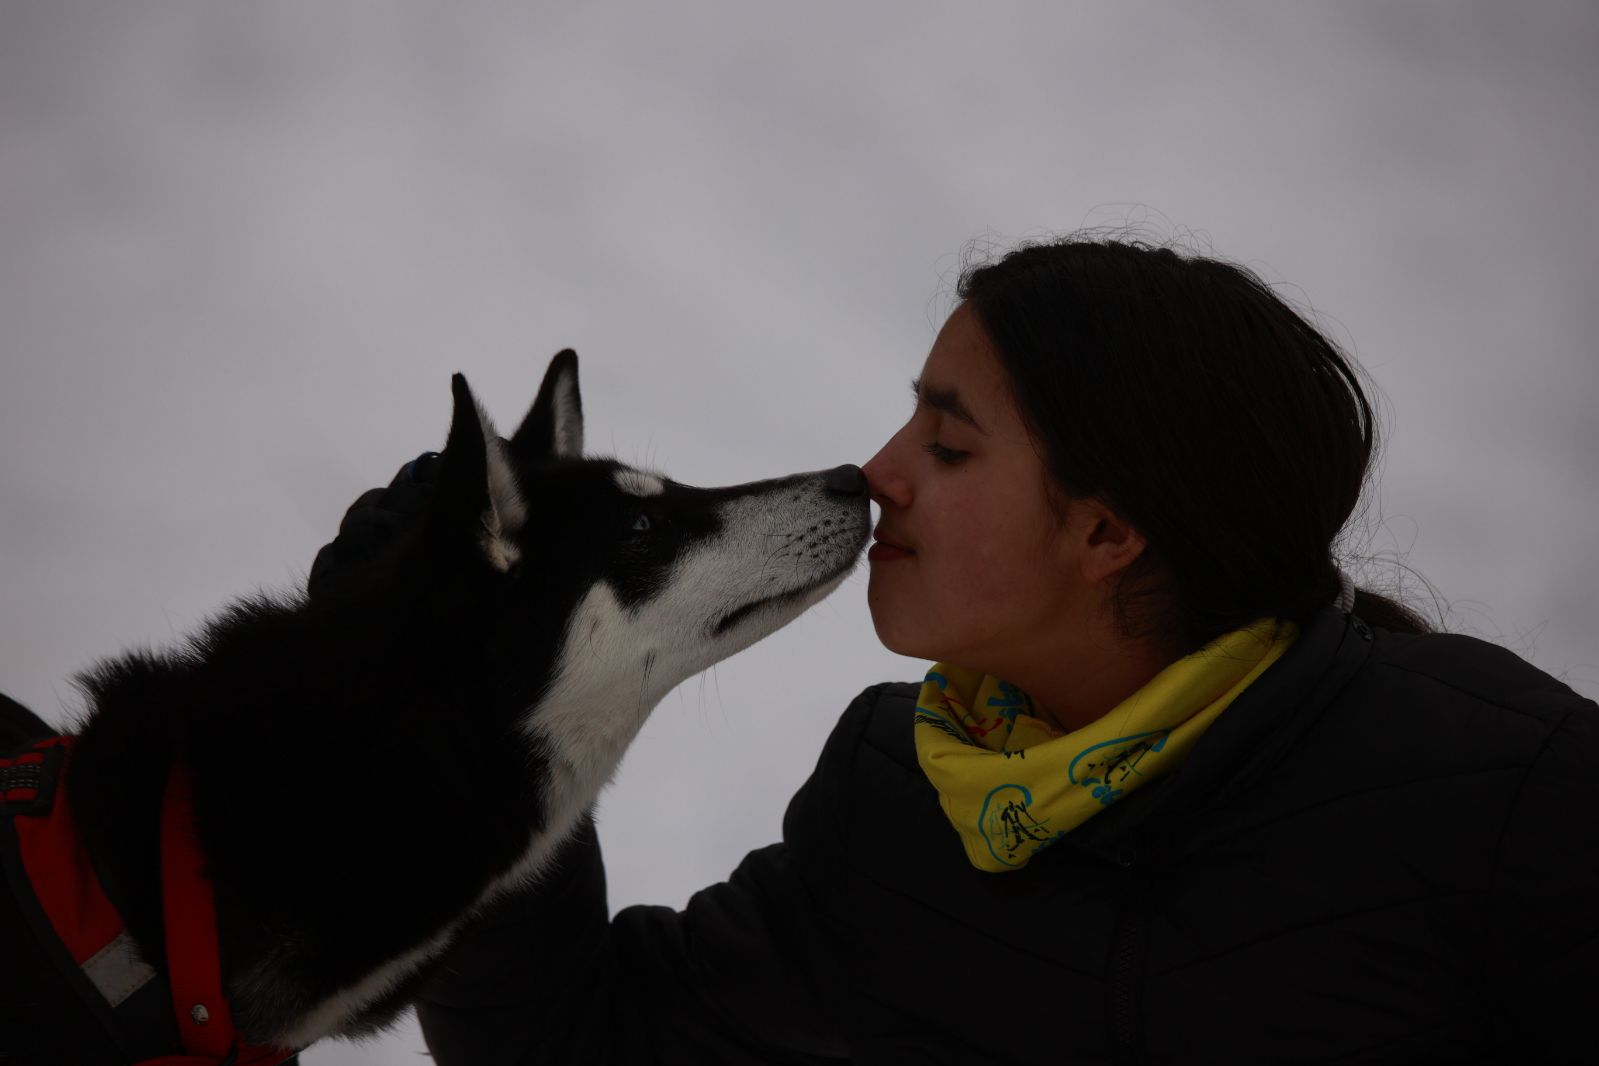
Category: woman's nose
[885,486]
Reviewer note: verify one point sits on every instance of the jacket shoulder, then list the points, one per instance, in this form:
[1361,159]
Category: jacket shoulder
[1469,716]
[880,719]
[873,737]
[1457,669]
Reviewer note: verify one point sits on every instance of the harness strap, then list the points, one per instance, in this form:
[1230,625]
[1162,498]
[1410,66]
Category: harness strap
[56,872]
[194,958]
[60,874]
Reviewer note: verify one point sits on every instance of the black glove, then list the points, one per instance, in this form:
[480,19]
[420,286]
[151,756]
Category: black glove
[371,522]
[19,726]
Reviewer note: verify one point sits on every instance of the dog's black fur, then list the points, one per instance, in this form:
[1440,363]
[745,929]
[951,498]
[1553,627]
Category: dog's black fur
[353,781]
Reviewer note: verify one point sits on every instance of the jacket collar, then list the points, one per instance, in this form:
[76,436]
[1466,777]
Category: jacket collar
[1242,745]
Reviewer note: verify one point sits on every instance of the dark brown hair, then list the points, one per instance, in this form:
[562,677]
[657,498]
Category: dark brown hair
[1187,396]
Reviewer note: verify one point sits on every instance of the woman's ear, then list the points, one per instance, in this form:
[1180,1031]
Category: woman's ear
[1103,542]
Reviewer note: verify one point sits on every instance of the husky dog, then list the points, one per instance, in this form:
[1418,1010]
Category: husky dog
[371,768]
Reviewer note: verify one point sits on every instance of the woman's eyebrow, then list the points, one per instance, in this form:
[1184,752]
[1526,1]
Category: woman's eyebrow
[946,400]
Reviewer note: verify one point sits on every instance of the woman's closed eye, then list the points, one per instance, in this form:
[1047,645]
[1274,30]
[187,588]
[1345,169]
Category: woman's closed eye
[948,456]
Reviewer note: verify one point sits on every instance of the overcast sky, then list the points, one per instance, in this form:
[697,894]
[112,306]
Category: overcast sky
[244,246]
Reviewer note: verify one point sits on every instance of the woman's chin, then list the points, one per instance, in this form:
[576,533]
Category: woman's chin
[901,639]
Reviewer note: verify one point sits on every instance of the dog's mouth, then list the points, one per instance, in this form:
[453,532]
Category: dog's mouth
[738,614]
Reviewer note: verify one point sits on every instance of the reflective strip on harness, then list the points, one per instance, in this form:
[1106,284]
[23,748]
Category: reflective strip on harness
[118,971]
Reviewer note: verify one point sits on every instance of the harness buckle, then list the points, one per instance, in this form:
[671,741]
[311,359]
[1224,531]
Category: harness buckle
[28,780]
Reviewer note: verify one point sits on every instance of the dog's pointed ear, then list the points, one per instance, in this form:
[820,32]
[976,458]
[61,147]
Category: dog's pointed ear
[476,500]
[553,428]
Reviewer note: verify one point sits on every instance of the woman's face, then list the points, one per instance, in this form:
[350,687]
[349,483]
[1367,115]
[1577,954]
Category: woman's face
[989,578]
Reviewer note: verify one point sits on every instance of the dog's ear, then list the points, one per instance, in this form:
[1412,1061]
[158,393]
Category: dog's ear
[553,428]
[476,501]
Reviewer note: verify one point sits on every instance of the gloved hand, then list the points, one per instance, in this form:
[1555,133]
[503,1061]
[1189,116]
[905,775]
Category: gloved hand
[19,726]
[371,522]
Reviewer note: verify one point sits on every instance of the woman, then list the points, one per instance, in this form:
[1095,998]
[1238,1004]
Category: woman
[1173,792]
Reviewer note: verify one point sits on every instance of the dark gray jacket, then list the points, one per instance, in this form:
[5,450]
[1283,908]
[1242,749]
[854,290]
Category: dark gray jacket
[1386,851]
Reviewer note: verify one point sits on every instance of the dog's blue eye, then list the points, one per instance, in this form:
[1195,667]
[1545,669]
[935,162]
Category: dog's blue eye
[642,525]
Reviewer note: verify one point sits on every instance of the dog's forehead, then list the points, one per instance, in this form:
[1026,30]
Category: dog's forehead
[599,477]
[636,482]
[590,472]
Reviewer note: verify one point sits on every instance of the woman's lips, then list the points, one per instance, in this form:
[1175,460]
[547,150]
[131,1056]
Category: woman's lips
[885,550]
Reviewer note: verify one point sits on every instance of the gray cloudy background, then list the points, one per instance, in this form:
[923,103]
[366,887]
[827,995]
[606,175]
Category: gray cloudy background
[243,247]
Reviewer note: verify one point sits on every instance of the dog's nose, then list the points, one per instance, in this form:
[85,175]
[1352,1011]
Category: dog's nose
[846,480]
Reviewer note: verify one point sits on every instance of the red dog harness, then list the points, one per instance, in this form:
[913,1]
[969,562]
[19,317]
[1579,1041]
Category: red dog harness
[67,890]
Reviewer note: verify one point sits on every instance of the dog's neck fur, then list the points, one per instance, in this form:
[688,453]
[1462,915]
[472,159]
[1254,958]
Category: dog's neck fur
[276,756]
[148,710]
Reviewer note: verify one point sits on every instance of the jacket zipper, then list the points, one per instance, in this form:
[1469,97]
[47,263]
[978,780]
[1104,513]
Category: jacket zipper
[1125,1042]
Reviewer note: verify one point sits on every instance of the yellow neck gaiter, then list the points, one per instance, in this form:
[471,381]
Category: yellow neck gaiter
[1012,782]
